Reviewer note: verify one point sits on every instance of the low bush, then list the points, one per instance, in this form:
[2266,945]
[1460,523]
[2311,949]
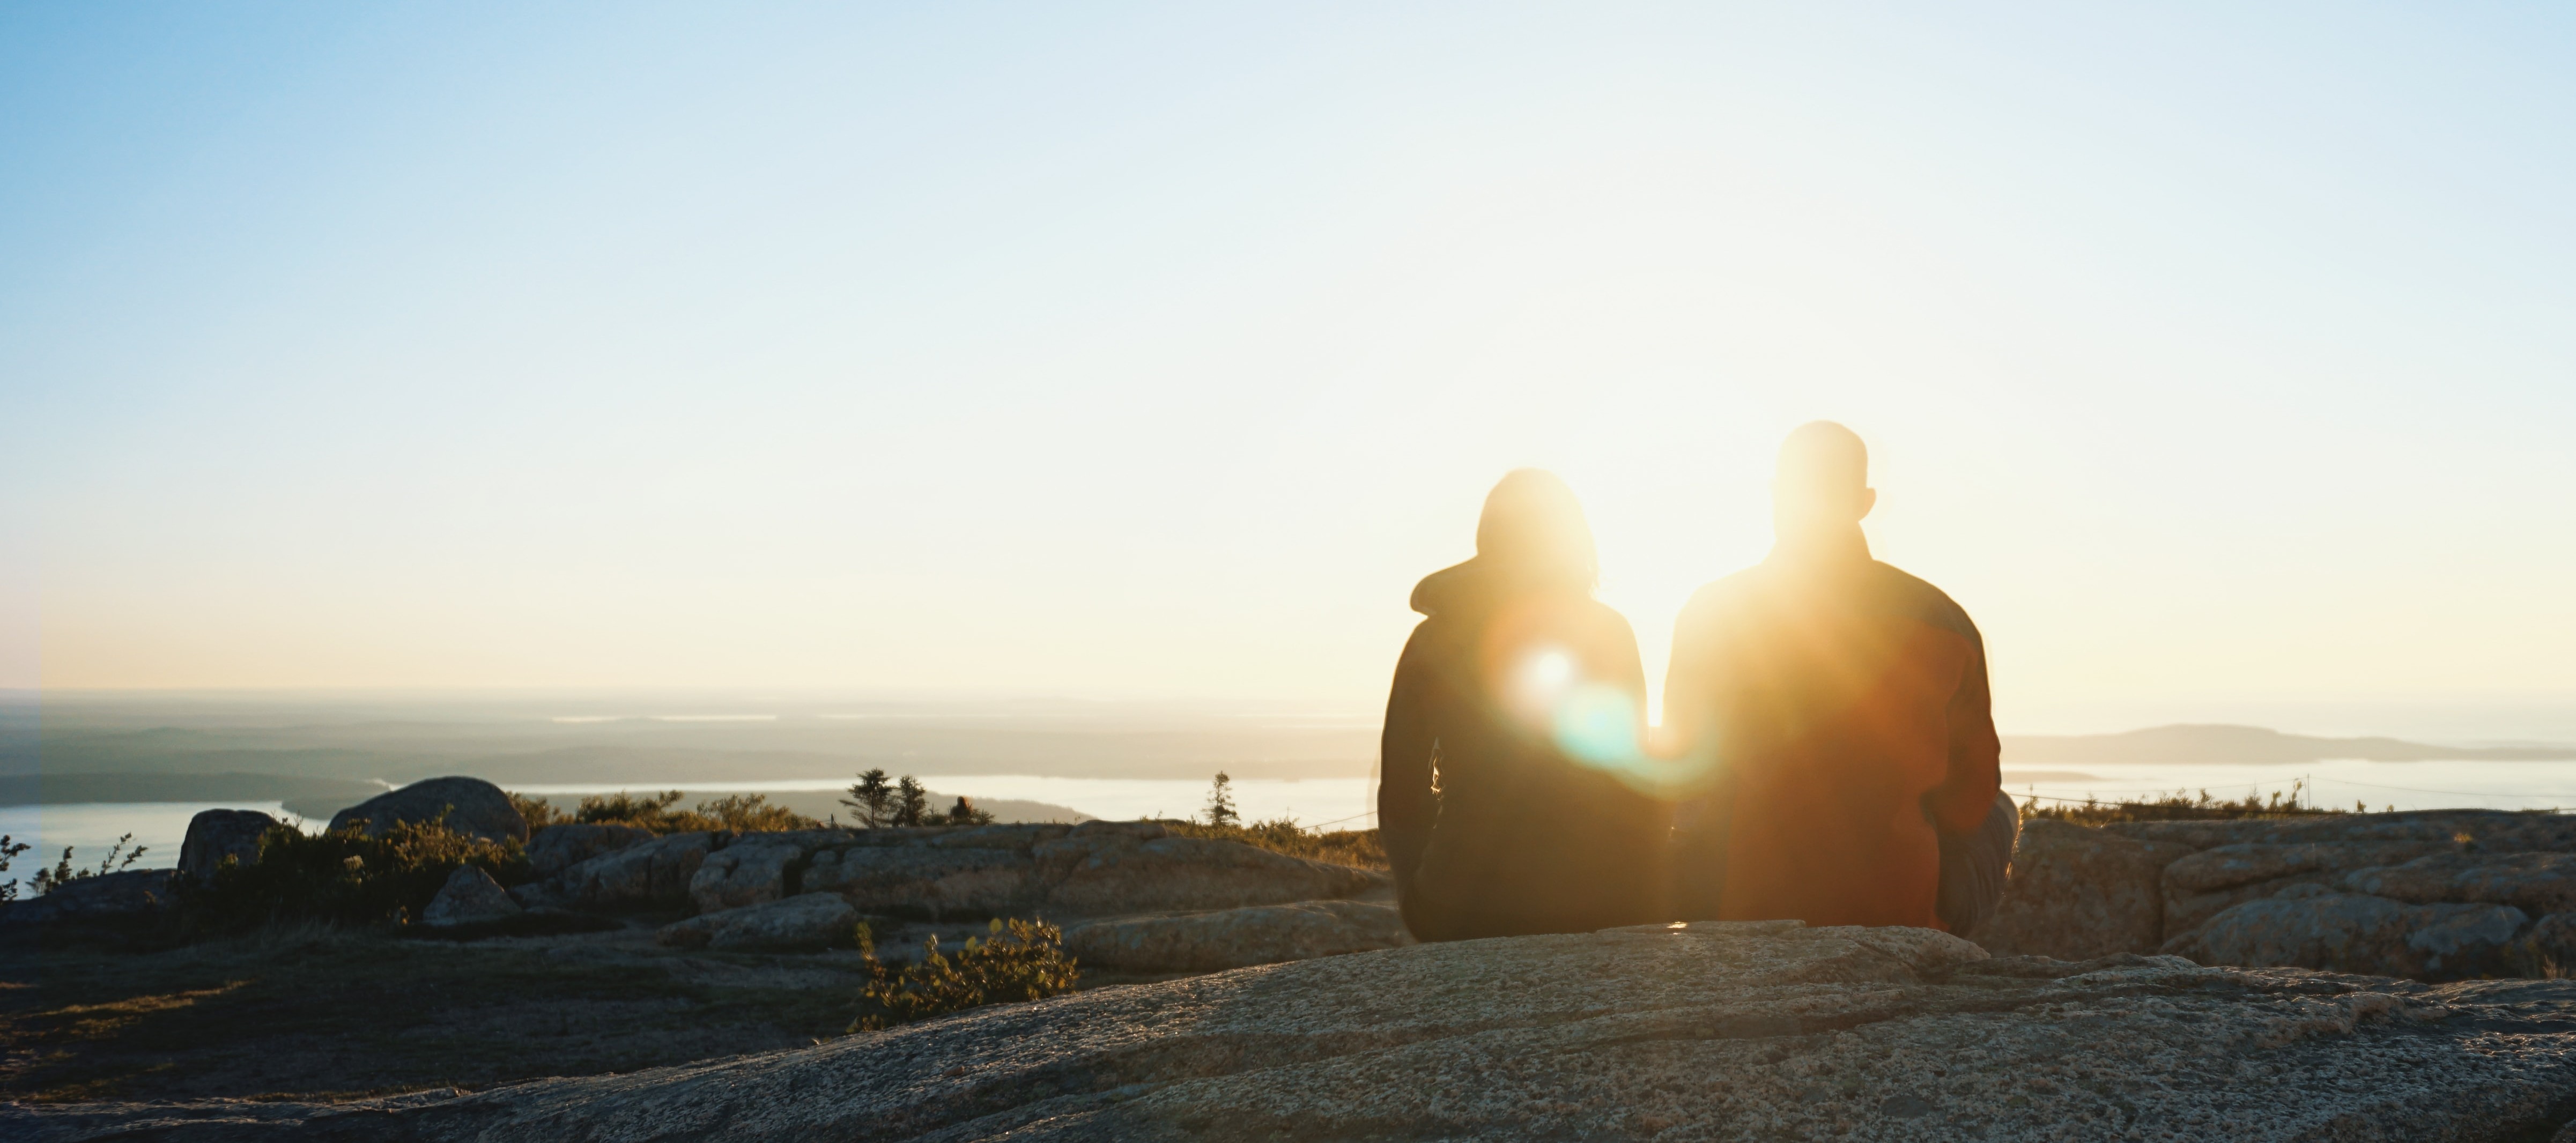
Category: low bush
[342,877]
[1019,961]
[742,813]
[2179,806]
[1358,847]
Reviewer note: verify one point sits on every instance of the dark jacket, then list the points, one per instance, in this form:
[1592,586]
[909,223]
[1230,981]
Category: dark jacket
[1845,704]
[1492,827]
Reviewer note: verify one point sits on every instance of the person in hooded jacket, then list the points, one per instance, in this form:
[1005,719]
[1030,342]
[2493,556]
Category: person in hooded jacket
[1515,705]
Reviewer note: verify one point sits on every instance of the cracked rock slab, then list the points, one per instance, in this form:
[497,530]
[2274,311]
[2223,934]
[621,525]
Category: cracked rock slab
[1700,1032]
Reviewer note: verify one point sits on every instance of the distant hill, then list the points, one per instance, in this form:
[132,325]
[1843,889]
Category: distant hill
[59,789]
[2250,745]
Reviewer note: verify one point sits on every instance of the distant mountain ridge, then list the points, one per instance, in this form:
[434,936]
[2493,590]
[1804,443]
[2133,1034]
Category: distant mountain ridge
[2250,745]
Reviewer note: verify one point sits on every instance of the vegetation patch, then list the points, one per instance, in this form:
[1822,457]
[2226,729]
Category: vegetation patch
[343,877]
[741,813]
[2180,806]
[1019,961]
[1358,847]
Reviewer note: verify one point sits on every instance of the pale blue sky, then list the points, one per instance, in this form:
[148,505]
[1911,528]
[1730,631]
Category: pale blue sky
[2213,358]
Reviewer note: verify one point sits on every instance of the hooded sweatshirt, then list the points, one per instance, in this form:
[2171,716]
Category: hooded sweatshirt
[1500,810]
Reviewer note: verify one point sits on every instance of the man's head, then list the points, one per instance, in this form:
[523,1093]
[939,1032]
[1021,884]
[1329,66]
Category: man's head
[1821,490]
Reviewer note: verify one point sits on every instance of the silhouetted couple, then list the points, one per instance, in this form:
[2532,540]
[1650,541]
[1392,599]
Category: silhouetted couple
[1829,754]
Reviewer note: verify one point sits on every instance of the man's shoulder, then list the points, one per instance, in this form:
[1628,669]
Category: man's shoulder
[1916,596]
[1718,596]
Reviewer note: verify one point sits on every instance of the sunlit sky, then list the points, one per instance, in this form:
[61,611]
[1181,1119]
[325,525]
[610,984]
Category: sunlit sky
[2221,359]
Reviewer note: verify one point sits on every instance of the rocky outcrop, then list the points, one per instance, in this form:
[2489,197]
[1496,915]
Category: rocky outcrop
[2536,883]
[1086,870]
[466,805]
[2075,893]
[2438,894]
[931,879]
[470,897]
[2207,883]
[214,835]
[1762,1031]
[132,894]
[560,847]
[2498,831]
[1236,938]
[648,875]
[804,921]
[2348,932]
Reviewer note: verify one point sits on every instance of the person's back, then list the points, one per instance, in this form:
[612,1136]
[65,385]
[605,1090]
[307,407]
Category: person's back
[1844,704]
[1494,816]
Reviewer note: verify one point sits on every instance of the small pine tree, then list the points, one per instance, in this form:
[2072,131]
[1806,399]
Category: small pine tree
[1220,803]
[10,848]
[964,813]
[911,802]
[872,798]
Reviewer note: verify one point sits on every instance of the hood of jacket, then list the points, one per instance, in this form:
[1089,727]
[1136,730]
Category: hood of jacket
[1452,589]
[1478,584]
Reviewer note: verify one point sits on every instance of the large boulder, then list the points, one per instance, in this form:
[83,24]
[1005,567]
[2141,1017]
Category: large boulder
[466,805]
[2076,893]
[470,897]
[648,875]
[560,847]
[1710,1032]
[2351,932]
[1234,938]
[214,835]
[804,921]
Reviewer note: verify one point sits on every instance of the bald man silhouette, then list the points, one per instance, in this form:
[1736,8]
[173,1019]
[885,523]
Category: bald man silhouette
[1843,707]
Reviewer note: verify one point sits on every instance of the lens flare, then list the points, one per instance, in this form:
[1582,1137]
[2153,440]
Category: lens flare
[1539,682]
[1596,723]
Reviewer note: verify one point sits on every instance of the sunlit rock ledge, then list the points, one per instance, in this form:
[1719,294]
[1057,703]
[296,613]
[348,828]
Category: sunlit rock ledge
[1710,1031]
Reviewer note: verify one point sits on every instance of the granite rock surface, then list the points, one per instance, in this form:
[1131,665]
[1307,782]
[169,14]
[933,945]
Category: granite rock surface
[1711,1032]
[560,847]
[2075,892]
[804,921]
[1236,938]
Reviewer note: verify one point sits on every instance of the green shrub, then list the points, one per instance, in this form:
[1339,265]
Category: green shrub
[539,812]
[1359,847]
[1020,961]
[742,813]
[344,877]
[2180,806]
